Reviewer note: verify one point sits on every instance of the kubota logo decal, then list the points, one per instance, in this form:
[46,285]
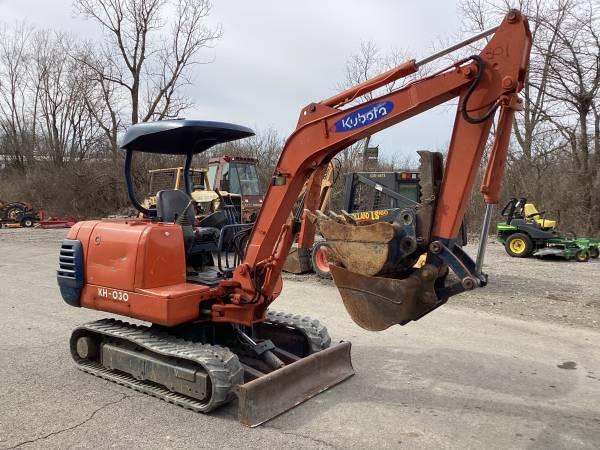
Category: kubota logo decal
[364,116]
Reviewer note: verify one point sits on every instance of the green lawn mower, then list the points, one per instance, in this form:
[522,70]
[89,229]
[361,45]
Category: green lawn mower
[526,232]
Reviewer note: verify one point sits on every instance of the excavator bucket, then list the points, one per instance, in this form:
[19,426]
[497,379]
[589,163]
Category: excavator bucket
[377,303]
[267,396]
[375,267]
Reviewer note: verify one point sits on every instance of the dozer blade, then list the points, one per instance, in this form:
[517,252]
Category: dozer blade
[270,395]
[376,303]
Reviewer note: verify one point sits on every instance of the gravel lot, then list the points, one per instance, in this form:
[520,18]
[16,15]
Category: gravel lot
[514,365]
[557,291]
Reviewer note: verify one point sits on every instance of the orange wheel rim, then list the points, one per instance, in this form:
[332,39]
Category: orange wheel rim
[321,260]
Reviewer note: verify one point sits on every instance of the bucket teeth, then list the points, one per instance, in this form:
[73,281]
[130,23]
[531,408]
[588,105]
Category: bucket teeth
[348,217]
[336,217]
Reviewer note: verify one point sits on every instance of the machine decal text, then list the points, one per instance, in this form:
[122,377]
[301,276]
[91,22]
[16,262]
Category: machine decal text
[113,294]
[369,215]
[364,116]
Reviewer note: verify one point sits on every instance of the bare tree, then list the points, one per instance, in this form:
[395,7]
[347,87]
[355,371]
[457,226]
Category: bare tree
[17,96]
[574,74]
[552,157]
[367,63]
[67,131]
[145,59]
[371,61]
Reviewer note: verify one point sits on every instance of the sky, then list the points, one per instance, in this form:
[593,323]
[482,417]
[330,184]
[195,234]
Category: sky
[276,56]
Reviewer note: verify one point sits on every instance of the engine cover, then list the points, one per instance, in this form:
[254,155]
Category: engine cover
[136,268]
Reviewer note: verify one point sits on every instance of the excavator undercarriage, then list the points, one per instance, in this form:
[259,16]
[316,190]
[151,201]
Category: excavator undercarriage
[203,367]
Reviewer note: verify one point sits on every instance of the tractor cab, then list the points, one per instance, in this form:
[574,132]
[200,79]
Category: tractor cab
[186,138]
[237,175]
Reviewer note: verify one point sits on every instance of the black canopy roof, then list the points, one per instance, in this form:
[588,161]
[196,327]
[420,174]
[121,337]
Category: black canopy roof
[181,136]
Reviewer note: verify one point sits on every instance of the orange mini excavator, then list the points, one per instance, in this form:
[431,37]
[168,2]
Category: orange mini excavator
[206,288]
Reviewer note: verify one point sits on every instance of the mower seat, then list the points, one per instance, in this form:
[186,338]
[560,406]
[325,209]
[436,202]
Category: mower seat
[531,212]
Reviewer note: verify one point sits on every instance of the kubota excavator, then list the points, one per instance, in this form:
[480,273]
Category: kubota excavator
[212,335]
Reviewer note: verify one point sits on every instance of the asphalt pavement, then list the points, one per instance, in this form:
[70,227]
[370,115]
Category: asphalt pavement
[458,378]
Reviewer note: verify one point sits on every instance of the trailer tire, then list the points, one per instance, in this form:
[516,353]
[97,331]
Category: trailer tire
[518,245]
[27,222]
[318,259]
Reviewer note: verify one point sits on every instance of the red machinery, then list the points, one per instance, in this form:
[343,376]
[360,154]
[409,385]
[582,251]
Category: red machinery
[211,335]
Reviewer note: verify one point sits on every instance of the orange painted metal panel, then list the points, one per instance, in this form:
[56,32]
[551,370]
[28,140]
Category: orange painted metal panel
[158,307]
[136,268]
[112,253]
[161,256]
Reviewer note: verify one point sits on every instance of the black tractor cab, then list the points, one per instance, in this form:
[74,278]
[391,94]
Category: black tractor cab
[187,138]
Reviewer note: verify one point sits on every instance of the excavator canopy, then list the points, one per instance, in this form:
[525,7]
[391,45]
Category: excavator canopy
[181,136]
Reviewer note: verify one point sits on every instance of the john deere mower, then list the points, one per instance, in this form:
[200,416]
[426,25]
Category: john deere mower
[526,232]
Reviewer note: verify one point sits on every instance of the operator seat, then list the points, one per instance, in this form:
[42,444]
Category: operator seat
[171,204]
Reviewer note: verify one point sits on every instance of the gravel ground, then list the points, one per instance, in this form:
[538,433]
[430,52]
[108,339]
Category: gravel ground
[558,291]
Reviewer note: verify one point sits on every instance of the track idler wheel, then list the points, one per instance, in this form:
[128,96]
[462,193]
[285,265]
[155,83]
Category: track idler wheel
[377,303]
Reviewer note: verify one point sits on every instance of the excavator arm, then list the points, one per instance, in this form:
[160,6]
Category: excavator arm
[482,84]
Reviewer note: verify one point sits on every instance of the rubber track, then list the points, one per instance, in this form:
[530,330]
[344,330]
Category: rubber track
[316,333]
[222,366]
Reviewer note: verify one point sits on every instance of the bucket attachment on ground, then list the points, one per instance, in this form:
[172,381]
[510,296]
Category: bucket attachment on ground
[374,249]
[276,392]
[297,260]
[376,303]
